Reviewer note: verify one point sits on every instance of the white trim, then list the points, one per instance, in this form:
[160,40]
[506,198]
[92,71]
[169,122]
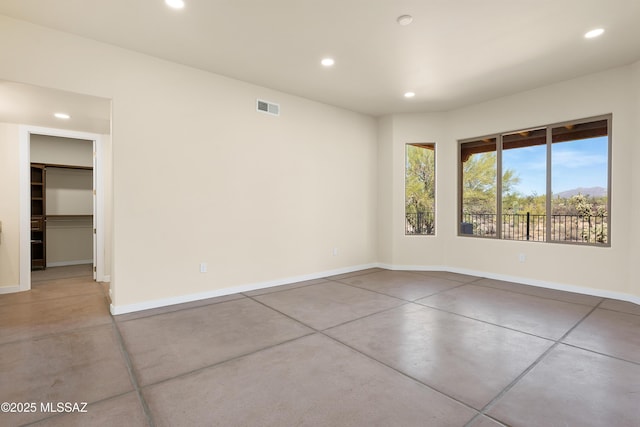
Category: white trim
[99,215]
[146,305]
[105,278]
[66,263]
[523,281]
[25,209]
[10,289]
[25,132]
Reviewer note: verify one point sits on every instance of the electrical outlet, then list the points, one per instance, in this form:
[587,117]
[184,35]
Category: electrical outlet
[522,257]
[203,267]
[335,252]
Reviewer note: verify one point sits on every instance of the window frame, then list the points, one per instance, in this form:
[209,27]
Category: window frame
[549,174]
[435,190]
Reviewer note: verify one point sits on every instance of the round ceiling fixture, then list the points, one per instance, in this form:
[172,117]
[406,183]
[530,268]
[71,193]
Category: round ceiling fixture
[594,33]
[328,62]
[404,20]
[409,94]
[63,116]
[176,4]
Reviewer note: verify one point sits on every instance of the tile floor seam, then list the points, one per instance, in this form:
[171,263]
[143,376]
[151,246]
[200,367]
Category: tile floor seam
[426,296]
[322,332]
[371,290]
[402,299]
[425,273]
[600,354]
[361,273]
[479,415]
[546,298]
[174,311]
[532,366]
[222,362]
[279,290]
[334,326]
[132,373]
[464,283]
[476,415]
[618,311]
[403,374]
[365,316]
[484,321]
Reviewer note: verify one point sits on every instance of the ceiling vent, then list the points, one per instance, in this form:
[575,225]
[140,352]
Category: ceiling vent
[268,107]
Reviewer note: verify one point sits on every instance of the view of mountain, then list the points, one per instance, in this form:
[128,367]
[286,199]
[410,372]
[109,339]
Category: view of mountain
[592,192]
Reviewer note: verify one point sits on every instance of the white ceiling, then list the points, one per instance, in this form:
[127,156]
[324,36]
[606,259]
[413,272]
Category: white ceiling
[455,53]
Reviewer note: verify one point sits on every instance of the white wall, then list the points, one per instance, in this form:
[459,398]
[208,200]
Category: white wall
[9,207]
[602,269]
[386,188]
[61,151]
[399,130]
[633,230]
[69,240]
[200,176]
[69,191]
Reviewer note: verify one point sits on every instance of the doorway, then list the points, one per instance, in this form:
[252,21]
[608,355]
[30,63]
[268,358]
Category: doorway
[71,214]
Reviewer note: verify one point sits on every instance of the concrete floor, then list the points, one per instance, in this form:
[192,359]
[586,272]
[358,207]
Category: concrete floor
[371,348]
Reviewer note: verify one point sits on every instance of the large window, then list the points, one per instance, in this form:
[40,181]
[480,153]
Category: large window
[554,184]
[420,189]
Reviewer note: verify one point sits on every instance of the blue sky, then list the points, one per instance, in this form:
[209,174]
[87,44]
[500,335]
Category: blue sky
[581,163]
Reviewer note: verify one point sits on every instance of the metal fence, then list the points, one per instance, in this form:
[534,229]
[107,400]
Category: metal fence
[420,223]
[524,227]
[592,229]
[567,228]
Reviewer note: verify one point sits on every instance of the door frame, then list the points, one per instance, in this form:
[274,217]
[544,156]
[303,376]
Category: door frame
[25,133]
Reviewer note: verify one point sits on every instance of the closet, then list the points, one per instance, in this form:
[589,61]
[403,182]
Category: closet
[61,202]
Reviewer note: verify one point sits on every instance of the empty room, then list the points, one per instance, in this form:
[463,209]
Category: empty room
[337,213]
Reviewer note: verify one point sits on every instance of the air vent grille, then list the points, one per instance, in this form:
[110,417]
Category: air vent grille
[268,107]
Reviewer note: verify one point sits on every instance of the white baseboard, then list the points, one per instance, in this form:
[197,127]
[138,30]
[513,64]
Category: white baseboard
[146,305]
[9,289]
[523,281]
[68,263]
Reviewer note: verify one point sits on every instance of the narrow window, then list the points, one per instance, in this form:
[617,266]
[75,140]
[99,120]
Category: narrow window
[524,184]
[420,189]
[479,187]
[579,180]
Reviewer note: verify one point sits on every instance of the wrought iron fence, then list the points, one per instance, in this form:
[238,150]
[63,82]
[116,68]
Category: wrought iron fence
[524,227]
[564,228]
[420,223]
[479,224]
[576,228]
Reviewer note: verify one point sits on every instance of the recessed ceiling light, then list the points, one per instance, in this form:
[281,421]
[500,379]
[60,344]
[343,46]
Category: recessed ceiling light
[594,33]
[405,20]
[63,116]
[409,94]
[176,4]
[327,62]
